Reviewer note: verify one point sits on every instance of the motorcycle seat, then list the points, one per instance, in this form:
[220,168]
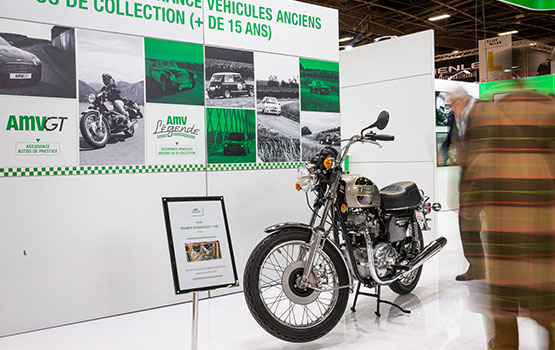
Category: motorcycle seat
[400,195]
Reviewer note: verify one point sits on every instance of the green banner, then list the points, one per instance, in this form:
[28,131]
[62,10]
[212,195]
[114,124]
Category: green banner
[538,5]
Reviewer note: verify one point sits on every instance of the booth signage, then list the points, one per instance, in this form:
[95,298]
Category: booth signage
[140,86]
[540,5]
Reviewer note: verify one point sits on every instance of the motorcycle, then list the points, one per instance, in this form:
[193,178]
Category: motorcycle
[297,280]
[101,120]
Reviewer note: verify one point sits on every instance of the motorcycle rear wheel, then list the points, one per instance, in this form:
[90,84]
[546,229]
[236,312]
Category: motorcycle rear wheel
[276,302]
[407,283]
[95,135]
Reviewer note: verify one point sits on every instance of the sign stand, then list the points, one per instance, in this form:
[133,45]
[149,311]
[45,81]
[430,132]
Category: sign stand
[200,249]
[194,335]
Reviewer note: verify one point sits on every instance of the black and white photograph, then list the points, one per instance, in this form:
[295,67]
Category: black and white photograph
[36,59]
[277,107]
[443,110]
[111,99]
[229,78]
[319,130]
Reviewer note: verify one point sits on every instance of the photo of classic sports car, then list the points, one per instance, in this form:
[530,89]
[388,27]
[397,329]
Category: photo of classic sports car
[171,76]
[317,86]
[227,84]
[271,105]
[235,144]
[18,67]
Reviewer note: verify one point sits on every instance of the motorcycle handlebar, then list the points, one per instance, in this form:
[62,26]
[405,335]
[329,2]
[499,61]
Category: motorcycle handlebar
[385,138]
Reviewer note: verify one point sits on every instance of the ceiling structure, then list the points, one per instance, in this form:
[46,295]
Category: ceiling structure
[470,21]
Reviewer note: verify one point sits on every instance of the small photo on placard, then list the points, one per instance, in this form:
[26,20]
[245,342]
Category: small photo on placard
[319,130]
[229,78]
[277,104]
[174,72]
[111,86]
[231,135]
[36,59]
[319,86]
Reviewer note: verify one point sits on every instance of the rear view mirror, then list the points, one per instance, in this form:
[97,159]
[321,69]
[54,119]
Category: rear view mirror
[383,120]
[381,123]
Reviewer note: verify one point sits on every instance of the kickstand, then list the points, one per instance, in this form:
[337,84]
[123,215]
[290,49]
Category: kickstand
[379,300]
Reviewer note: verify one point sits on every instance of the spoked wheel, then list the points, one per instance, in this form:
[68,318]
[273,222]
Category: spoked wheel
[274,294]
[408,282]
[95,130]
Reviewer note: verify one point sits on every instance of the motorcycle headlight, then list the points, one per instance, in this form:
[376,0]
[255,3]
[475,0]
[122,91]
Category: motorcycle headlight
[92,98]
[306,177]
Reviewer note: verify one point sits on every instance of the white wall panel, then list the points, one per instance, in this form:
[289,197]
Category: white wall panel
[409,102]
[255,200]
[74,248]
[397,58]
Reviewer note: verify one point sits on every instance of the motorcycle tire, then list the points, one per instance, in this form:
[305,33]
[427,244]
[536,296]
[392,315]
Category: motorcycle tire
[269,320]
[100,143]
[399,286]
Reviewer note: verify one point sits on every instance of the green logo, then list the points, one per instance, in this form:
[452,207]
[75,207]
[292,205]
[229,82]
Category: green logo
[175,126]
[35,123]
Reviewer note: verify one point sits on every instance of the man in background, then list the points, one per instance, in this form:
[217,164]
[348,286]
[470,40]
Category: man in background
[508,162]
[460,103]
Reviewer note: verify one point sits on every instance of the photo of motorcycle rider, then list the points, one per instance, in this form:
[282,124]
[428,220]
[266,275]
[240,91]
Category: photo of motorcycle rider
[113,94]
[461,103]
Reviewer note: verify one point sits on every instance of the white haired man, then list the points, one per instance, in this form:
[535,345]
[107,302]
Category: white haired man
[460,103]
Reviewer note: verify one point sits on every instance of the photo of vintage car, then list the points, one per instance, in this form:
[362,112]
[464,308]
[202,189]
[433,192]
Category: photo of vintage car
[317,86]
[227,85]
[18,67]
[171,76]
[203,251]
[235,144]
[271,105]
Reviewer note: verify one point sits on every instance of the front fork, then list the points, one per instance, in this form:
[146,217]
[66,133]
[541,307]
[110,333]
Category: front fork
[318,238]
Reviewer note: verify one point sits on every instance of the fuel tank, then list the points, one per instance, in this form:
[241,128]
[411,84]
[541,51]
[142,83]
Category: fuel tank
[360,192]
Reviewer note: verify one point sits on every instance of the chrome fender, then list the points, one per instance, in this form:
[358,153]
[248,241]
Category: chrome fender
[277,228]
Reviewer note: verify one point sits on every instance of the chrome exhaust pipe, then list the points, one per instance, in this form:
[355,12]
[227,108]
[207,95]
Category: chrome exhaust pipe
[428,252]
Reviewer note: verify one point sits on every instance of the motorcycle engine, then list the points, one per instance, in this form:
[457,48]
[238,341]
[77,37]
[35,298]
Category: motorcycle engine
[384,256]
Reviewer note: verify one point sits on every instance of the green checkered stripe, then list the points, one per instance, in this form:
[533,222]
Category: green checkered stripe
[95,170]
[253,166]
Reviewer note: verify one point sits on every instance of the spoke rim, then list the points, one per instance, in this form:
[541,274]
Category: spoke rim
[274,297]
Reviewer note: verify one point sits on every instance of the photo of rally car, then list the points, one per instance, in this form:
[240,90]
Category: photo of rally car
[171,76]
[271,105]
[18,67]
[228,84]
[317,86]
[235,144]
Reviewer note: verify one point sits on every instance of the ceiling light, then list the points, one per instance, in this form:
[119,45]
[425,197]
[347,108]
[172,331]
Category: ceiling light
[455,52]
[532,44]
[508,33]
[437,18]
[346,39]
[348,47]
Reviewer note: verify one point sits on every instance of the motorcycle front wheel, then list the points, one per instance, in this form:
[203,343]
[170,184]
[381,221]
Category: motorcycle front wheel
[95,130]
[274,298]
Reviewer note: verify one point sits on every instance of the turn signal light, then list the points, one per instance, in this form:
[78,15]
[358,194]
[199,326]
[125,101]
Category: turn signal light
[298,186]
[328,162]
[344,208]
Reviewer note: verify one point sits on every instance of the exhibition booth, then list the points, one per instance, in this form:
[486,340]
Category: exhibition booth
[219,102]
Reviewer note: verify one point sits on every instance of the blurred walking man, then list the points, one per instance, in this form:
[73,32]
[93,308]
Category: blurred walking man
[509,174]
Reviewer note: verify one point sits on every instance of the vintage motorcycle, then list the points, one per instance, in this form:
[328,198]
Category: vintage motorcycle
[101,120]
[297,280]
